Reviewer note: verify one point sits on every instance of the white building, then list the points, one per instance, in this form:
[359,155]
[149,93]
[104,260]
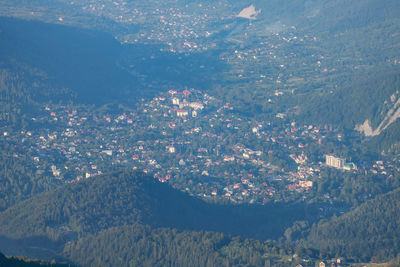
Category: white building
[171,149]
[335,162]
[182,113]
[175,101]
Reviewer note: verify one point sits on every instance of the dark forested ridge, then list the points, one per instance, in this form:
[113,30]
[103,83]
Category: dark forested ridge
[388,141]
[117,199]
[107,213]
[369,232]
[371,99]
[24,262]
[18,181]
[65,57]
[116,218]
[138,245]
[64,64]
[365,98]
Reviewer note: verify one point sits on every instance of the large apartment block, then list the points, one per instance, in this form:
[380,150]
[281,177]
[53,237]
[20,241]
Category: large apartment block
[334,161]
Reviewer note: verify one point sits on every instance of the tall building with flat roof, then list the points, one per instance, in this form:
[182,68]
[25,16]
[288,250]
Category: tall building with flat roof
[334,161]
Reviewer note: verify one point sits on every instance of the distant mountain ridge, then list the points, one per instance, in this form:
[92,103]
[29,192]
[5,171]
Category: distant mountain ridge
[65,57]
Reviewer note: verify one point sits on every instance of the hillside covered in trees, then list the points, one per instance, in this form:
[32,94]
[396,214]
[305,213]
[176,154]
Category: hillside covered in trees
[25,262]
[69,220]
[138,245]
[368,233]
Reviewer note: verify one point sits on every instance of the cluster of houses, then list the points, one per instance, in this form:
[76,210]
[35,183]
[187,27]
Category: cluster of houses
[181,30]
[187,138]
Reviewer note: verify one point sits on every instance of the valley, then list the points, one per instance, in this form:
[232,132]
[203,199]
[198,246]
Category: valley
[200,133]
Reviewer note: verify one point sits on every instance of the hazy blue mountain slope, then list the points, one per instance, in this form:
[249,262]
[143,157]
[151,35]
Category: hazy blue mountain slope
[93,66]
[388,142]
[341,15]
[118,199]
[84,61]
[45,224]
[371,231]
[366,98]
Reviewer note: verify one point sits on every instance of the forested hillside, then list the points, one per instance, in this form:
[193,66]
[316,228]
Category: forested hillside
[79,219]
[17,177]
[369,104]
[64,64]
[80,62]
[368,233]
[138,245]
[366,98]
[25,262]
[121,198]
[102,221]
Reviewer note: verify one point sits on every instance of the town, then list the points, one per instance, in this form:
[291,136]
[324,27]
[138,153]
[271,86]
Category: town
[193,141]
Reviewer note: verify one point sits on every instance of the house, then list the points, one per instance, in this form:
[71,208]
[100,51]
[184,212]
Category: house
[171,149]
[196,105]
[321,264]
[107,152]
[229,158]
[172,92]
[306,184]
[184,103]
[182,113]
[175,101]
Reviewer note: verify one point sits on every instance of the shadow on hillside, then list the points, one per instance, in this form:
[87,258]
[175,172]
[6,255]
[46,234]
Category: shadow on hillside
[95,67]
[32,247]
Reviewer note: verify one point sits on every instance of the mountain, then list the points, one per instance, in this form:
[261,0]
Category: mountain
[83,61]
[51,220]
[24,262]
[369,104]
[388,141]
[138,245]
[18,180]
[362,38]
[370,232]
[67,64]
